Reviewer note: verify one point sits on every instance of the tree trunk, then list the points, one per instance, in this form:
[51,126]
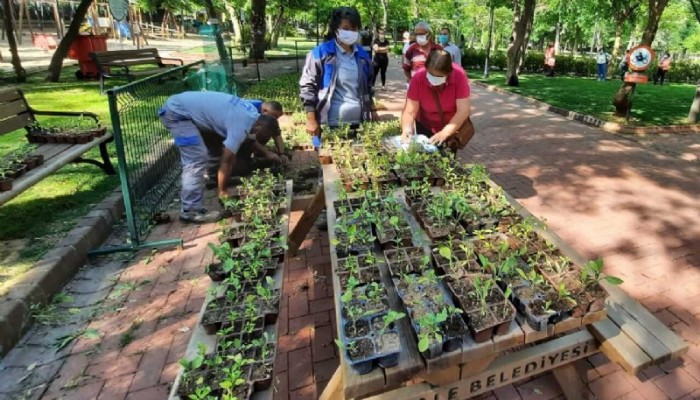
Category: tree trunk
[220,46]
[488,41]
[59,20]
[274,41]
[12,42]
[414,8]
[523,14]
[622,99]
[655,9]
[275,27]
[618,40]
[557,35]
[65,43]
[695,108]
[257,24]
[235,23]
[385,14]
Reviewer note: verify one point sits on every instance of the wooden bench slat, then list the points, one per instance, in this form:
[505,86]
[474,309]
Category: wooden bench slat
[10,95]
[618,347]
[51,150]
[649,344]
[14,123]
[675,344]
[32,177]
[13,108]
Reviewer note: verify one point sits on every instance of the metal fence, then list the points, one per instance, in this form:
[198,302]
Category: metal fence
[149,166]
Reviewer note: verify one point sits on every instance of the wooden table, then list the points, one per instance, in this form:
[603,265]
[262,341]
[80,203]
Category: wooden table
[481,367]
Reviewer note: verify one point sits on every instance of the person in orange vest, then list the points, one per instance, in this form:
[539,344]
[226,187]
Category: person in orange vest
[664,66]
[549,60]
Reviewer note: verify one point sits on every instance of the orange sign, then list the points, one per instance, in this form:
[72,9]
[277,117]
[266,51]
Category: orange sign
[633,77]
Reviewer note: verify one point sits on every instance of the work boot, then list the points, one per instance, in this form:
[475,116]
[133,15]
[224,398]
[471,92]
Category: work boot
[200,216]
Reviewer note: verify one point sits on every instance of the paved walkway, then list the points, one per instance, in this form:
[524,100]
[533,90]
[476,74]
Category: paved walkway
[626,200]
[633,201]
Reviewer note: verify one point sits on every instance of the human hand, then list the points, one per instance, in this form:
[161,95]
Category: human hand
[273,157]
[407,135]
[313,128]
[223,195]
[440,137]
[284,159]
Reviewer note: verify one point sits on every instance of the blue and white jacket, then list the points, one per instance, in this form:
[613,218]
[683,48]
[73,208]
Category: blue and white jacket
[318,79]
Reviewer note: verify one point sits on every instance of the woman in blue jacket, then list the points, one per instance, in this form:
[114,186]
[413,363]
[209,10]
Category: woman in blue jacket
[335,85]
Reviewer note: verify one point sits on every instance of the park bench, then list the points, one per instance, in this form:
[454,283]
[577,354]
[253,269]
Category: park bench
[121,63]
[16,113]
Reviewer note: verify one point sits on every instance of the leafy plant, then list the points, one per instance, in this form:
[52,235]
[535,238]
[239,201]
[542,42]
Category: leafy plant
[390,317]
[482,289]
[430,328]
[591,273]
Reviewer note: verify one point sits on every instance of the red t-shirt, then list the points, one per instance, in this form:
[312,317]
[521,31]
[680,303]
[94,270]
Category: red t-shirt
[415,57]
[420,90]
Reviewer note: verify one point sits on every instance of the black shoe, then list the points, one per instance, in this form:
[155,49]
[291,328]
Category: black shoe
[322,221]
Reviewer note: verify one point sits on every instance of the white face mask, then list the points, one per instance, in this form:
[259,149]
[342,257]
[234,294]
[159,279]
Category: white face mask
[422,39]
[347,37]
[436,80]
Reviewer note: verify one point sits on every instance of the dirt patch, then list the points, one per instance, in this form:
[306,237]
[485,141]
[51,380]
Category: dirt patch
[11,263]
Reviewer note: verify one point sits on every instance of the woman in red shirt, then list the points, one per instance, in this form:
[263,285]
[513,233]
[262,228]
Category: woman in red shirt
[441,80]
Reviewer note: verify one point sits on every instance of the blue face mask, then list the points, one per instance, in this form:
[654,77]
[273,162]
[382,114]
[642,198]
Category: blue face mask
[442,39]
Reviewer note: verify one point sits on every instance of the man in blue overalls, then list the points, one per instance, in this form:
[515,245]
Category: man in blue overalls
[190,116]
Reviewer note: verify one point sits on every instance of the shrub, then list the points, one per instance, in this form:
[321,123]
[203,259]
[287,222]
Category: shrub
[681,71]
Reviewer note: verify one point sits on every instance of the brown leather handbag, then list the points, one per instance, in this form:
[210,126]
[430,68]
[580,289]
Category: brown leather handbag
[464,133]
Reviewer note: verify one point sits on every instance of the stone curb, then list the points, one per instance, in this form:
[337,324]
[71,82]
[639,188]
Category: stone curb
[55,269]
[612,127]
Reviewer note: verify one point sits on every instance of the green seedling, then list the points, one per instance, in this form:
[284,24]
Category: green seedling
[591,274]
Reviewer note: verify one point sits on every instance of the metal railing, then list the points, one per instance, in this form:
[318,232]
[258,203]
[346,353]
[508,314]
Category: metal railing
[149,162]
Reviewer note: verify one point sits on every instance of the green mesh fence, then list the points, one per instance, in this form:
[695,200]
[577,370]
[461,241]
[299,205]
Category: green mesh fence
[149,165]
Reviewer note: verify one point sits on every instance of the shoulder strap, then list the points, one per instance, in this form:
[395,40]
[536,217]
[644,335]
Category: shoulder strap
[436,98]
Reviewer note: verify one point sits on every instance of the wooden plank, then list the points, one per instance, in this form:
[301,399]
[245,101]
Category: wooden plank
[417,391]
[618,347]
[32,177]
[442,377]
[15,123]
[334,388]
[306,222]
[531,335]
[514,337]
[51,150]
[573,380]
[445,360]
[476,366]
[567,325]
[656,328]
[655,349]
[508,369]
[354,385]
[594,316]
[10,95]
[472,350]
[13,108]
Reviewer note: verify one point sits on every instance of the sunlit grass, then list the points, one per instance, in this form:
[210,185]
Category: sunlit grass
[652,105]
[41,215]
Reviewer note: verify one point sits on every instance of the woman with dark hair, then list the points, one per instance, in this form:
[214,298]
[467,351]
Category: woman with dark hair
[437,100]
[336,82]
[381,56]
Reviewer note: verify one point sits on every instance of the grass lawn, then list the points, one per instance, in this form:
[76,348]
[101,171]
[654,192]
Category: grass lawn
[652,105]
[34,221]
[284,48]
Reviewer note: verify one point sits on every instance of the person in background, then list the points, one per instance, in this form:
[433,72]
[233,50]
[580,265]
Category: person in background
[381,56]
[549,60]
[189,116]
[366,39]
[662,69]
[462,41]
[444,39]
[440,81]
[408,39]
[602,59]
[624,65]
[417,53]
[336,82]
